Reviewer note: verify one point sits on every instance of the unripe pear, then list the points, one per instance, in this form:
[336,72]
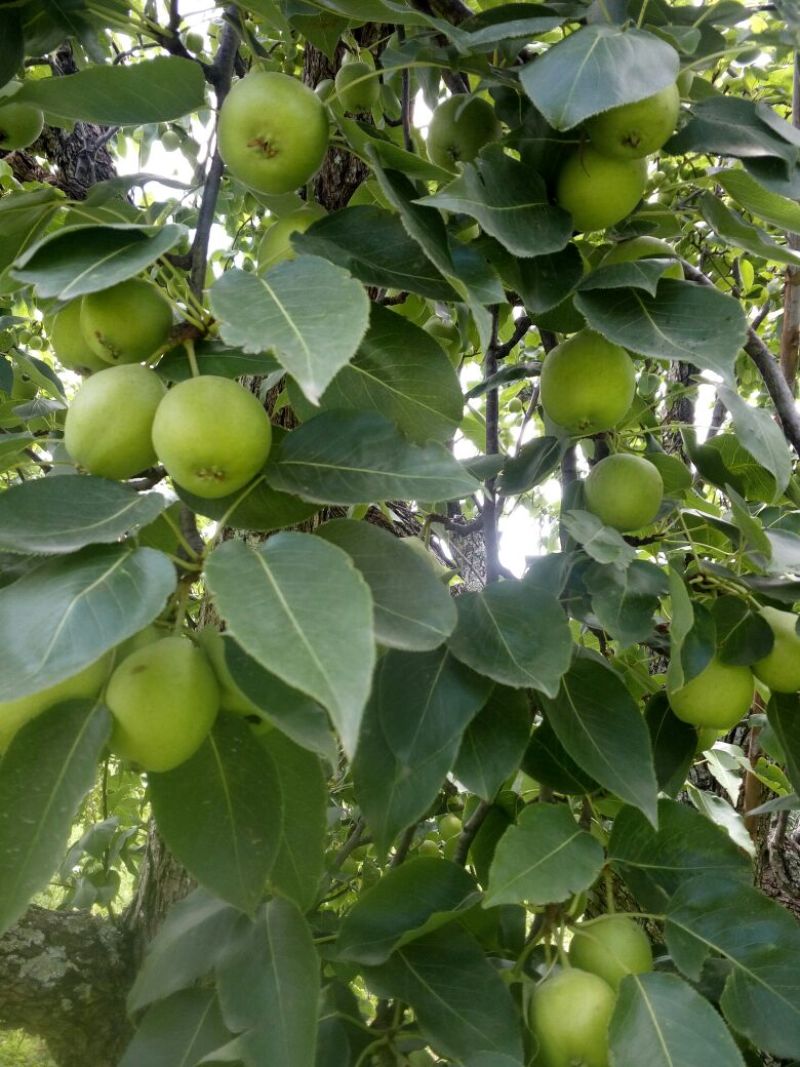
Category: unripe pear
[276,244]
[126,323]
[459,129]
[108,426]
[587,383]
[611,947]
[719,696]
[597,191]
[20,125]
[780,668]
[212,435]
[70,346]
[357,86]
[624,491]
[633,131]
[570,1014]
[164,699]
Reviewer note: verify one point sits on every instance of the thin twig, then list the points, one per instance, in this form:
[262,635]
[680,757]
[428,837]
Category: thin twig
[469,831]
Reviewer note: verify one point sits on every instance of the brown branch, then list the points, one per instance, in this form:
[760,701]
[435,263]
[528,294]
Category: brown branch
[790,331]
[769,368]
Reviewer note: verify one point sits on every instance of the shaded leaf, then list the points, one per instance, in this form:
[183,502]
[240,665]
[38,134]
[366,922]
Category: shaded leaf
[156,90]
[312,339]
[655,863]
[599,541]
[64,614]
[268,985]
[421,703]
[408,902]
[185,949]
[547,762]
[278,610]
[461,1004]
[783,713]
[178,1030]
[514,633]
[761,998]
[595,69]
[59,515]
[301,811]
[760,435]
[48,769]
[348,458]
[544,859]
[510,203]
[532,464]
[598,723]
[228,840]
[661,1021]
[494,742]
[373,245]
[413,609]
[749,194]
[691,323]
[625,599]
[73,262]
[732,230]
[401,372]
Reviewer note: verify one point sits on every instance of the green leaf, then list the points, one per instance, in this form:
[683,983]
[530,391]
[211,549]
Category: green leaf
[421,704]
[656,863]
[752,196]
[48,769]
[354,458]
[599,541]
[674,743]
[302,809]
[212,357]
[544,859]
[372,244]
[686,322]
[413,609]
[532,464]
[408,902]
[256,507]
[280,611]
[400,371]
[292,712]
[122,95]
[597,721]
[52,516]
[179,1030]
[515,634]
[547,762]
[783,713]
[461,1004]
[761,998]
[661,1021]
[229,841]
[187,946]
[466,270]
[728,125]
[626,598]
[509,201]
[544,282]
[595,69]
[23,216]
[12,45]
[761,436]
[742,635]
[269,986]
[86,259]
[64,614]
[494,743]
[732,230]
[312,339]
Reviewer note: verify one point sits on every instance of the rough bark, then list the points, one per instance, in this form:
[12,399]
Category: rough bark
[64,977]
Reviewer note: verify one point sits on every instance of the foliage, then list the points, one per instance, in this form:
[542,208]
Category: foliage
[370,688]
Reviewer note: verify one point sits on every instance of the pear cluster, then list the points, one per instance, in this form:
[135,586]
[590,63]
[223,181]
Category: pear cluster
[211,434]
[571,1011]
[602,181]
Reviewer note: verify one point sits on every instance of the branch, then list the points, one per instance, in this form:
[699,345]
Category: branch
[491,512]
[221,76]
[769,368]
